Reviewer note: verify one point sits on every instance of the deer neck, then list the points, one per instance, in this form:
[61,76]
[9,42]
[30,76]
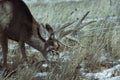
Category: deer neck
[36,41]
[37,44]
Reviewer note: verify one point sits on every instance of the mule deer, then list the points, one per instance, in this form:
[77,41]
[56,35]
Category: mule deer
[18,24]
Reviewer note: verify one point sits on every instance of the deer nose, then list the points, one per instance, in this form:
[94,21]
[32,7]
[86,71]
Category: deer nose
[54,52]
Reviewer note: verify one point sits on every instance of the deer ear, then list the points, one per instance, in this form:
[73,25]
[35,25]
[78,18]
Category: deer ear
[49,28]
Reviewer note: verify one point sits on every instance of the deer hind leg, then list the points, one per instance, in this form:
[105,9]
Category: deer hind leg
[4,44]
[22,47]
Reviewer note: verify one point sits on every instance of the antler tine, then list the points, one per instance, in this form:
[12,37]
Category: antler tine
[83,25]
[65,33]
[64,26]
[73,31]
[67,46]
[77,27]
[84,16]
[68,24]
[80,22]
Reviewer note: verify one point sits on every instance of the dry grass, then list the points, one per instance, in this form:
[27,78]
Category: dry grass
[95,42]
[97,39]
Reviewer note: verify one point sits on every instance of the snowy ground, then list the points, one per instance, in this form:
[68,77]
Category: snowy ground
[107,74]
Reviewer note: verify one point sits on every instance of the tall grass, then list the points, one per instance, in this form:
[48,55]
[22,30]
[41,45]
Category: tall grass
[99,38]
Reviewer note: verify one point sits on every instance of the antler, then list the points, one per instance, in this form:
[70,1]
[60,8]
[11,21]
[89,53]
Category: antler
[63,33]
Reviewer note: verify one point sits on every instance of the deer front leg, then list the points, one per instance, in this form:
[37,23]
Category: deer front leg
[4,44]
[22,47]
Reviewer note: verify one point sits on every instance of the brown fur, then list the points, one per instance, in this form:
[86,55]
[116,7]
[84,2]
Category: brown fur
[21,27]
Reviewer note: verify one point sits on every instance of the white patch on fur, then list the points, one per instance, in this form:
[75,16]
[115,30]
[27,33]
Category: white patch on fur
[5,14]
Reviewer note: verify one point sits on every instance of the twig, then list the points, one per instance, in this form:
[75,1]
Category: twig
[11,73]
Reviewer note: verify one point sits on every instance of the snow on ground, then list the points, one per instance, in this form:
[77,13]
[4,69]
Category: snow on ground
[108,74]
[41,74]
